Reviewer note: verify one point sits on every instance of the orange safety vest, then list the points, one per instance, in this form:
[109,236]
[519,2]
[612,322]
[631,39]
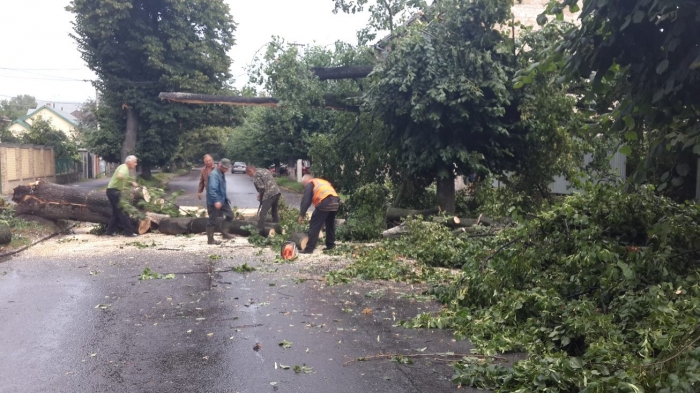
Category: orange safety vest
[322,189]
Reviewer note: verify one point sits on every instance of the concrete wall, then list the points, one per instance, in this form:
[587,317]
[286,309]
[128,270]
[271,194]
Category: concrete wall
[21,164]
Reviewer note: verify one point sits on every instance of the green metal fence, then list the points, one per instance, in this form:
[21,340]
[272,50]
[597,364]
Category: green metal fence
[67,165]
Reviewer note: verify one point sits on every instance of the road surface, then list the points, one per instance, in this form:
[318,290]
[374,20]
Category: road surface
[76,318]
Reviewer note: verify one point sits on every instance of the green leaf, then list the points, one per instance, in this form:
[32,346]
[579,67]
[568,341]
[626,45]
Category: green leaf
[631,136]
[665,176]
[576,363]
[695,64]
[628,20]
[541,19]
[663,66]
[285,344]
[626,271]
[696,149]
[683,169]
[574,8]
[629,122]
[657,96]
[677,181]
[626,150]
[638,16]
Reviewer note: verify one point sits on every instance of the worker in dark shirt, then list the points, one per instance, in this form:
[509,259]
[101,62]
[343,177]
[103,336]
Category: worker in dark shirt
[326,202]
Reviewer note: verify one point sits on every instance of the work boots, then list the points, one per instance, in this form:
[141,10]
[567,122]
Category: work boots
[210,236]
[225,229]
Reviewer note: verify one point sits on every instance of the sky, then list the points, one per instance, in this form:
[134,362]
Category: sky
[40,59]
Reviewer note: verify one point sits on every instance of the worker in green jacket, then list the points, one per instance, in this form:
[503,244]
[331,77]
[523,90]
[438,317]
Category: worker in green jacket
[120,181]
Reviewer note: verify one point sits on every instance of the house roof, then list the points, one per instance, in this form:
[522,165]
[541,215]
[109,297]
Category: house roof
[63,115]
[22,123]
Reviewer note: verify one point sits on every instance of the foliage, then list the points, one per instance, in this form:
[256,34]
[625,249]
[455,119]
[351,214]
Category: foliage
[644,59]
[149,274]
[366,213]
[140,48]
[206,140]
[42,133]
[601,290]
[17,107]
[444,92]
[288,222]
[244,268]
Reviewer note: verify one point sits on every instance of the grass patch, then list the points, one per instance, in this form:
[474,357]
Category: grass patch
[289,184]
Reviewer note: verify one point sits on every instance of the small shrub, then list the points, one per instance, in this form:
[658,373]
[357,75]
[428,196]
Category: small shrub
[365,212]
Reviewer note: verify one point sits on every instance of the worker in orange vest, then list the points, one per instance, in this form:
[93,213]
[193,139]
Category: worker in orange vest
[326,202]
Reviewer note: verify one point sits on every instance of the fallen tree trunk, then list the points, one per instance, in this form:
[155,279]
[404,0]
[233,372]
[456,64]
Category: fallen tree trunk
[330,101]
[344,72]
[58,202]
[185,225]
[394,214]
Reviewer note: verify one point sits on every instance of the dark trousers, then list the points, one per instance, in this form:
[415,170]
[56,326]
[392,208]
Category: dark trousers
[270,203]
[119,217]
[215,214]
[318,218]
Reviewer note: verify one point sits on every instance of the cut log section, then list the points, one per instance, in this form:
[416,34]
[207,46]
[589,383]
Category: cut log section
[394,214]
[450,222]
[300,239]
[143,226]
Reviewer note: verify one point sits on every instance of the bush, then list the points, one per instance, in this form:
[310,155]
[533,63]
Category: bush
[602,291]
[365,213]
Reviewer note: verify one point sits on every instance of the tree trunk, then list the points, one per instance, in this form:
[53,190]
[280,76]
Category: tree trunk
[132,125]
[344,72]
[185,225]
[394,214]
[146,172]
[57,202]
[446,194]
[300,239]
[329,101]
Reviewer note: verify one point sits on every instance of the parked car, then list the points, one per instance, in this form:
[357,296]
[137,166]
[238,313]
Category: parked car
[238,167]
[283,169]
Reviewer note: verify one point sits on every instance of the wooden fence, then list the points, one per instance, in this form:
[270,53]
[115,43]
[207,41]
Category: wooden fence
[21,164]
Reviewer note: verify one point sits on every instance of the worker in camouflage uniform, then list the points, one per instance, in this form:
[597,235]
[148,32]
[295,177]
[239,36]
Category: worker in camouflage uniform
[268,194]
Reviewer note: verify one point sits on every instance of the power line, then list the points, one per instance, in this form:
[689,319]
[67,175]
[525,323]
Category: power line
[41,69]
[59,79]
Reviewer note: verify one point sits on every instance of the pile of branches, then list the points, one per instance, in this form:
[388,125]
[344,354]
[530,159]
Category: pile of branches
[601,291]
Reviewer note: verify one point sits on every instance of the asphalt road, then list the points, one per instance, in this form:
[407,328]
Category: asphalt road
[239,188]
[76,318]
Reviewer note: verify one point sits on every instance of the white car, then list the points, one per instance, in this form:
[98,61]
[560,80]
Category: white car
[238,166]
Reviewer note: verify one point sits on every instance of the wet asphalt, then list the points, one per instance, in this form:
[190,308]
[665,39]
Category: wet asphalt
[239,188]
[74,317]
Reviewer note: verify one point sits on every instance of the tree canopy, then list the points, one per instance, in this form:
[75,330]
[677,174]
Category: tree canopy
[139,48]
[643,58]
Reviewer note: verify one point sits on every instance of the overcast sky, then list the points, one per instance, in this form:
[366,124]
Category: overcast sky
[40,59]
